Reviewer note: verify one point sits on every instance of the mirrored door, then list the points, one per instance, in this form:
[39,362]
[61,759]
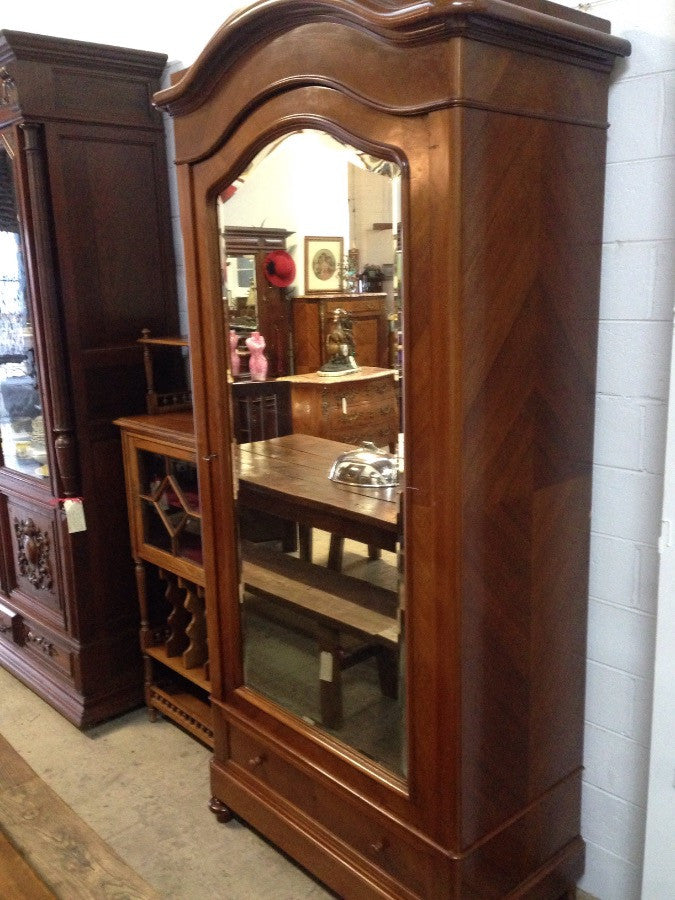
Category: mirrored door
[21,419]
[319,488]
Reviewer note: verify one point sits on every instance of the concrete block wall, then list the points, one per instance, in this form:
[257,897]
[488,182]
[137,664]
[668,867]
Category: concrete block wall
[636,314]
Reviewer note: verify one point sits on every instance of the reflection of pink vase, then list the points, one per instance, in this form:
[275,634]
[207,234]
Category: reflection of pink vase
[235,361]
[257,363]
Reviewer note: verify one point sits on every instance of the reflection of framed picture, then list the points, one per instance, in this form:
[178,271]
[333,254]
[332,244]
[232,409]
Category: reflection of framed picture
[323,265]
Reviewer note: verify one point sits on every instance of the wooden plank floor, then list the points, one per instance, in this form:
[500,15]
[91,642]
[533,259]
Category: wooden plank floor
[44,838]
[17,879]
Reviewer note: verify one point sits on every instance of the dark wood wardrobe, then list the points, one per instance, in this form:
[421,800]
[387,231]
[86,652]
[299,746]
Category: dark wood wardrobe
[86,263]
[452,633]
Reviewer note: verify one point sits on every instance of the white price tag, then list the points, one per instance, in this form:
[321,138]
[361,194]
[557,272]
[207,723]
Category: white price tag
[74,510]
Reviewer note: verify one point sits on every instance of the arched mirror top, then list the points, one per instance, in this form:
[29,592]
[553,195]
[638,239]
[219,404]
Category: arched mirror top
[324,133]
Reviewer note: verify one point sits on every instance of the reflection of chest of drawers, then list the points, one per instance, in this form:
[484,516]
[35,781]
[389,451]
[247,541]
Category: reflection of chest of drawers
[362,406]
[313,318]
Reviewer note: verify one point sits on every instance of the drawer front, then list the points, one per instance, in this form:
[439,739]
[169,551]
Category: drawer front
[370,393]
[375,421]
[355,306]
[35,557]
[37,644]
[362,413]
[397,853]
[45,649]
[382,434]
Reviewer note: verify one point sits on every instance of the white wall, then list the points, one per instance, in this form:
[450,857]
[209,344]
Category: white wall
[372,199]
[636,312]
[659,866]
[634,357]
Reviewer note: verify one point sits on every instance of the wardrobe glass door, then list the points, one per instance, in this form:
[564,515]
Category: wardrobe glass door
[21,421]
[320,533]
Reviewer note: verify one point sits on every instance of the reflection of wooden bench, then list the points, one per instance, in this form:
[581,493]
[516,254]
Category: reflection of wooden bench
[328,606]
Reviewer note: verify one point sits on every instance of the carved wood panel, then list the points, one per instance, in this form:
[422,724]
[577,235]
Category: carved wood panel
[33,554]
[35,560]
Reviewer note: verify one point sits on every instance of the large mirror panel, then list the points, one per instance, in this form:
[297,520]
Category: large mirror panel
[310,237]
[21,419]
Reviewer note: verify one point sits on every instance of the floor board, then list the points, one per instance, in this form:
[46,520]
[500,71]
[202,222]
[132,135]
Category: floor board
[54,844]
[17,879]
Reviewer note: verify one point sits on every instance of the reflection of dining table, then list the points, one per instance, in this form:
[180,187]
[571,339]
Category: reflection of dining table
[288,477]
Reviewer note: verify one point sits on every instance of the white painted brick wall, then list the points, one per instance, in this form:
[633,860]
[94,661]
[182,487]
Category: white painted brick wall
[635,341]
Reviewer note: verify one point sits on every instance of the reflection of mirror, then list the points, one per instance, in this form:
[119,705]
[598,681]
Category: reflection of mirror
[320,560]
[21,420]
[253,302]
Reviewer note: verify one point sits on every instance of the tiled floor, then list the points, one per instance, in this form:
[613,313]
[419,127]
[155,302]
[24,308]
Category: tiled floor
[143,787]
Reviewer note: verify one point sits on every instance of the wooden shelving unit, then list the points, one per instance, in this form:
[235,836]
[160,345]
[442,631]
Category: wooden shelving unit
[169,390]
[165,528]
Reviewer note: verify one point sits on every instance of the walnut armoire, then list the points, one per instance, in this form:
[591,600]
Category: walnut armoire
[86,262]
[495,114]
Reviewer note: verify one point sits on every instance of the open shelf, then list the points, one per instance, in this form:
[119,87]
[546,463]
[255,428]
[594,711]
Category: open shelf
[176,664]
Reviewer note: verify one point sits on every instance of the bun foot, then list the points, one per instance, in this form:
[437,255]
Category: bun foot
[221,812]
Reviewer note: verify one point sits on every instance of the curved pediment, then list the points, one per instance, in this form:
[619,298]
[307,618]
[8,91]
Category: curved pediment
[400,58]
[535,24]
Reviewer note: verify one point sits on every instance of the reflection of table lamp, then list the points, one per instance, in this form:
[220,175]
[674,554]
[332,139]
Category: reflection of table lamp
[340,346]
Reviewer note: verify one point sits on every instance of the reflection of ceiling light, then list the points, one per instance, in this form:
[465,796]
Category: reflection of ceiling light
[323,142]
[354,158]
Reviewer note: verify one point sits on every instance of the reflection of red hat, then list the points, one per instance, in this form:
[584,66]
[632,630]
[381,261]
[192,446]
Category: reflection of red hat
[279,268]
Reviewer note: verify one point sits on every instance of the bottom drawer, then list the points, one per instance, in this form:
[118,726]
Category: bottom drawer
[399,854]
[43,647]
[381,434]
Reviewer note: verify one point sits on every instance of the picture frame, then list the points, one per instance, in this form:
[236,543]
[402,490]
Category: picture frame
[323,265]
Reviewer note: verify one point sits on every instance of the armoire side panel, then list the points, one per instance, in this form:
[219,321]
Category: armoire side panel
[530,332]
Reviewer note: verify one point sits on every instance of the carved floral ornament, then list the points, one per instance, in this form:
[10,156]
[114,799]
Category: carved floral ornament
[33,554]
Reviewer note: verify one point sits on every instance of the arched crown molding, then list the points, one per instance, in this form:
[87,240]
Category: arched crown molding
[535,24]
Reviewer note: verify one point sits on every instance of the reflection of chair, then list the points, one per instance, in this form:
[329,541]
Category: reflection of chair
[262,410]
